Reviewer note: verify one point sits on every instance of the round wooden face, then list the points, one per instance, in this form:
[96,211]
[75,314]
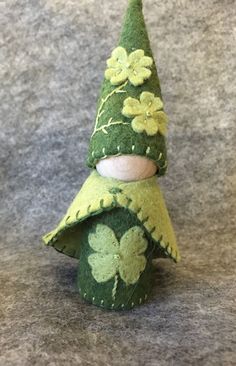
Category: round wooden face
[127,168]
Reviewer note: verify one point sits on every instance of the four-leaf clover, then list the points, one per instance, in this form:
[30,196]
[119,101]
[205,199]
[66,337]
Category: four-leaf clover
[112,257]
[133,67]
[147,114]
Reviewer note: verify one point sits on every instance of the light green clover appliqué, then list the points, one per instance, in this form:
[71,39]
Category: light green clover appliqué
[112,257]
[147,114]
[133,67]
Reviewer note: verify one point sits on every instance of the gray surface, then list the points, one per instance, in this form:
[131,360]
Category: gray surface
[52,60]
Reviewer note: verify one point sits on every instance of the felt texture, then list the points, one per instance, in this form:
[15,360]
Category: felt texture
[113,134]
[111,255]
[52,60]
[126,283]
[98,194]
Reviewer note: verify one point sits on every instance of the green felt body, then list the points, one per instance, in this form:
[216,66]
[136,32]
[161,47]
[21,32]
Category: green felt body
[121,139]
[100,294]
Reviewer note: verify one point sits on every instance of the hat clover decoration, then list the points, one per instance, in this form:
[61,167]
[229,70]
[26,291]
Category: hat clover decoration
[148,114]
[134,67]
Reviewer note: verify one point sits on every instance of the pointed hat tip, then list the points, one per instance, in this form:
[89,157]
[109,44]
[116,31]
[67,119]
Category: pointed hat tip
[134,33]
[136,2]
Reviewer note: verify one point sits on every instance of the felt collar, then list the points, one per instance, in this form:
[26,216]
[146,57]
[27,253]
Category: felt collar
[142,198]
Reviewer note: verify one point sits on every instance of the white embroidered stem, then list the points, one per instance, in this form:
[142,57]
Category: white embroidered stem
[115,287]
[100,111]
[104,127]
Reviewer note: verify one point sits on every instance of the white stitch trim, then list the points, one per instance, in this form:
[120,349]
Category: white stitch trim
[165,165]
[121,91]
[118,154]
[104,157]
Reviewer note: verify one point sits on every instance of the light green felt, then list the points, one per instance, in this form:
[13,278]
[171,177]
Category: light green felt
[134,67]
[112,257]
[142,198]
[113,134]
[146,113]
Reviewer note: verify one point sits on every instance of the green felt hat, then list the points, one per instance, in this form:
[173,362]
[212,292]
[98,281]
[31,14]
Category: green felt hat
[130,119]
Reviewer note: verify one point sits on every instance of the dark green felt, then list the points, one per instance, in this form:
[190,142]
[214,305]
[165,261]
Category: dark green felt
[133,36]
[119,220]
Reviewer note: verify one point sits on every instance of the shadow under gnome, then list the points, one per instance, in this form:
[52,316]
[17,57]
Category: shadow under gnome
[118,222]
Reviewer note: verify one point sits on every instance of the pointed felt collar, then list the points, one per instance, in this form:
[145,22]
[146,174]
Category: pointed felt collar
[98,194]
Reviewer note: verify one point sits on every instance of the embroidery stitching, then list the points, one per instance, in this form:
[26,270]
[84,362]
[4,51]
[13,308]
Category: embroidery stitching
[100,111]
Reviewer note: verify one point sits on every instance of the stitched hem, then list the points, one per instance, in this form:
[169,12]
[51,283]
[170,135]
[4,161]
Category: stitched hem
[70,222]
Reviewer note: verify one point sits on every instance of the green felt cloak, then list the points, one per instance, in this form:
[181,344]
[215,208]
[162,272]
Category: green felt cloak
[142,198]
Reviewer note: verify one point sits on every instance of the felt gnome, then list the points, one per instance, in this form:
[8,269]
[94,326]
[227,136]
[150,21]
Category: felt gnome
[118,222]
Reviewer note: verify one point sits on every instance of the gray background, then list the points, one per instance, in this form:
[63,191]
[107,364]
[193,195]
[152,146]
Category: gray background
[53,56]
